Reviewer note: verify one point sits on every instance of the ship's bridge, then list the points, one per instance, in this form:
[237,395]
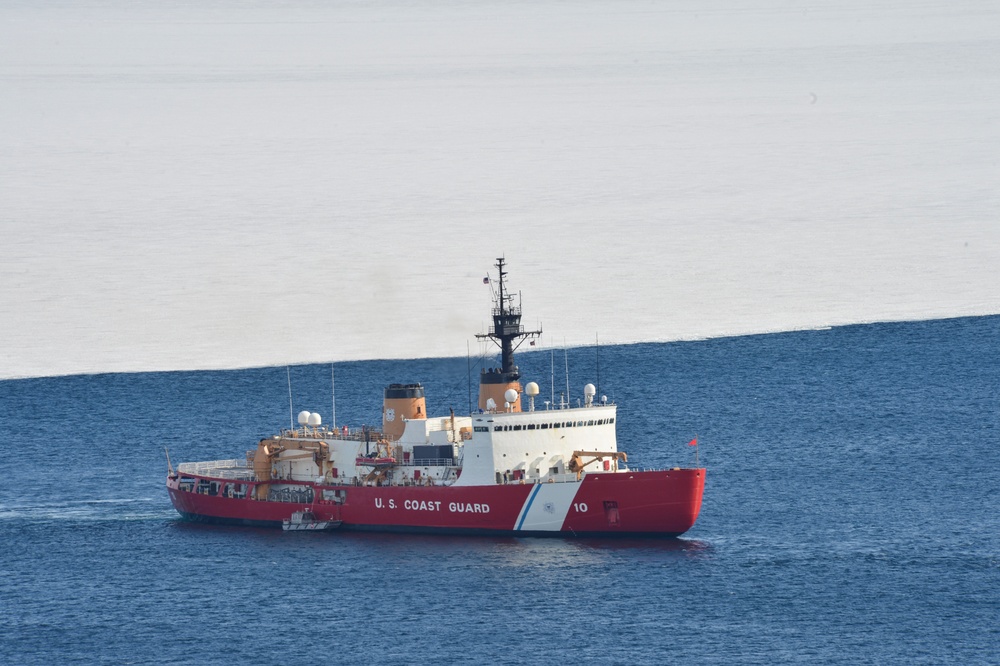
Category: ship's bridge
[539,445]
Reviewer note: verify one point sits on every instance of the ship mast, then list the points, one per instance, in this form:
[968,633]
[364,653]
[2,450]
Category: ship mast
[508,333]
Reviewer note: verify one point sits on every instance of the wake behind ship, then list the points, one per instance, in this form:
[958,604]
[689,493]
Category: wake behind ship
[555,471]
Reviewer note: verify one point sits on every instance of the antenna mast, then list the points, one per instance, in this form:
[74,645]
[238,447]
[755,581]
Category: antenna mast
[597,344]
[291,418]
[552,376]
[507,328]
[566,363]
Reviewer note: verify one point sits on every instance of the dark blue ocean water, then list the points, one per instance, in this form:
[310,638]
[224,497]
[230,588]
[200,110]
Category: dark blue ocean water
[851,514]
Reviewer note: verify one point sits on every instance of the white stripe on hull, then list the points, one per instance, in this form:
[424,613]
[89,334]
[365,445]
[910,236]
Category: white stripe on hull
[546,507]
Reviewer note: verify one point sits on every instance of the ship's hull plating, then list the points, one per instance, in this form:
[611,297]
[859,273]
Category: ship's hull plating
[650,503]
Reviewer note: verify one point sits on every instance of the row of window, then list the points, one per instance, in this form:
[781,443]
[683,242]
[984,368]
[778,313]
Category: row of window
[546,426]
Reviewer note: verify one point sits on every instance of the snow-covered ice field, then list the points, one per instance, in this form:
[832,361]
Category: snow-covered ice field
[223,184]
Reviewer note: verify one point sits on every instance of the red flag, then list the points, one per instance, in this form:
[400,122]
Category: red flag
[693,442]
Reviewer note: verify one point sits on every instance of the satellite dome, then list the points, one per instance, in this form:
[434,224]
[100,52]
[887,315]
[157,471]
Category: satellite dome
[315,419]
[303,417]
[510,395]
[589,390]
[531,389]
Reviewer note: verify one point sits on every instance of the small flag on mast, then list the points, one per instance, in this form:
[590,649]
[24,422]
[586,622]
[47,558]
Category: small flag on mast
[693,442]
[486,280]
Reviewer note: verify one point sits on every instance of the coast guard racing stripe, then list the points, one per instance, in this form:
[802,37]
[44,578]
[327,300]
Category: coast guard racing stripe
[546,507]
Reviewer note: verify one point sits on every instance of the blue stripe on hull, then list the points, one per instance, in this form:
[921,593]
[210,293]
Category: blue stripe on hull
[527,508]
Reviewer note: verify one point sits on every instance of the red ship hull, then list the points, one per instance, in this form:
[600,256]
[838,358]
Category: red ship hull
[649,503]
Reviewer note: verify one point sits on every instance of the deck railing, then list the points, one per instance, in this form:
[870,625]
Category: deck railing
[430,462]
[220,469]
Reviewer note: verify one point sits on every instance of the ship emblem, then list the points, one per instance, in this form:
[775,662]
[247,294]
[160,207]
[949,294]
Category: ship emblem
[390,414]
[550,507]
